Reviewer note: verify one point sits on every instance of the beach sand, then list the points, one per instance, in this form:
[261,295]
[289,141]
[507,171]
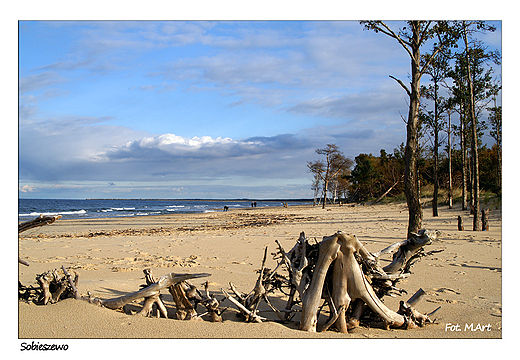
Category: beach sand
[465,279]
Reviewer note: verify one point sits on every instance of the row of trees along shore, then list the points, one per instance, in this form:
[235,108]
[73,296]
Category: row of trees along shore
[444,128]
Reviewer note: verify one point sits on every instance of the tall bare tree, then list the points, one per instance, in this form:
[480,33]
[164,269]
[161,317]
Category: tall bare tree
[495,122]
[449,110]
[412,37]
[437,71]
[467,29]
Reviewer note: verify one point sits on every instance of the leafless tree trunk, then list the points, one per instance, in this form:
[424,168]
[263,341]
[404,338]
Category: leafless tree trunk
[415,213]
[411,38]
[450,185]
[464,161]
[474,148]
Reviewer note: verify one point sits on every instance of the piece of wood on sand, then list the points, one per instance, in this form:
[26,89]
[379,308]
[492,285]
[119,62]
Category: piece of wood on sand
[31,224]
[164,282]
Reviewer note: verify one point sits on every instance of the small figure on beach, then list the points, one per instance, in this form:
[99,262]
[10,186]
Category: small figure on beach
[226,208]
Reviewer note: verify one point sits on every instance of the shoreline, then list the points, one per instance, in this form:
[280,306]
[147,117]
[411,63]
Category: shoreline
[164,222]
[466,281]
[113,208]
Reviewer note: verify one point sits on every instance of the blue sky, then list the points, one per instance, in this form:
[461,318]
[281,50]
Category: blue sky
[201,109]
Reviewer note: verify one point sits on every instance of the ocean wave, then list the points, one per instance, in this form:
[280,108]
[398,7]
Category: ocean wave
[78,212]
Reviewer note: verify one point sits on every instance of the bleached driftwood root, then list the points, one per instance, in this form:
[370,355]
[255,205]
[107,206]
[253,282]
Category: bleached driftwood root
[52,287]
[185,295]
[154,301]
[185,310]
[212,305]
[405,251]
[151,290]
[350,279]
[338,272]
[248,304]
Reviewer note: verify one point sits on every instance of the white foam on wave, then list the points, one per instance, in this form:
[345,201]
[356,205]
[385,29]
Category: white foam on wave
[78,212]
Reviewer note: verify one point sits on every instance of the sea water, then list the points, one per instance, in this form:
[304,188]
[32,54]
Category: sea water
[102,208]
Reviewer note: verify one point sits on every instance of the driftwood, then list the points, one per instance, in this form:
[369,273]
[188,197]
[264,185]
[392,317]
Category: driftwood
[347,281]
[212,305]
[340,270]
[248,304]
[185,309]
[407,250]
[31,224]
[185,295]
[39,221]
[153,301]
[52,287]
[151,290]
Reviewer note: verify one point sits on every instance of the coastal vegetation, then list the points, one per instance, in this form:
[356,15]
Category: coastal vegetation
[447,120]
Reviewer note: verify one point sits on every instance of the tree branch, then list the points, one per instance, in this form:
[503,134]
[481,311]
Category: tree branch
[424,33]
[430,59]
[391,33]
[402,85]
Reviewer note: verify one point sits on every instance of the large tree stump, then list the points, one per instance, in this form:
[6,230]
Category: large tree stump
[348,283]
[347,276]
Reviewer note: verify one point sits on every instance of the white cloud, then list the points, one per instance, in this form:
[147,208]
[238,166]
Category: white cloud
[26,188]
[326,81]
[163,141]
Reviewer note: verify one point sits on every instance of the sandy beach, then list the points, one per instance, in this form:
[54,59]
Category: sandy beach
[465,278]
